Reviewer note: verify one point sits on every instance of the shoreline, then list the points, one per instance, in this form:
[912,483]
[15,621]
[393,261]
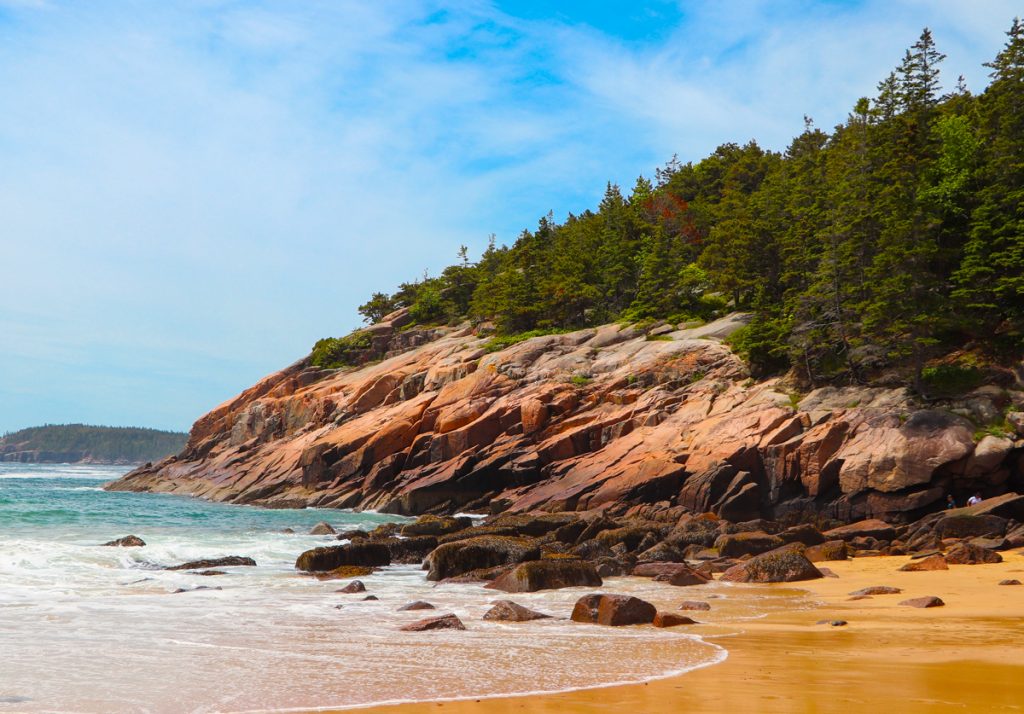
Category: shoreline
[965,656]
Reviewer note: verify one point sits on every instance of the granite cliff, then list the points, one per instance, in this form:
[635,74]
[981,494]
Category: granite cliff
[616,418]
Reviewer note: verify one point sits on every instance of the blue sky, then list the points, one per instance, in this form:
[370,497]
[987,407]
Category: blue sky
[191,193]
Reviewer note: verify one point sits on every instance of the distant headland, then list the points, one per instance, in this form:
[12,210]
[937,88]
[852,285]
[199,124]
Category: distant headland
[82,443]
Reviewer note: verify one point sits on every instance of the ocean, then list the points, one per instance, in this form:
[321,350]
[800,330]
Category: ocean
[87,628]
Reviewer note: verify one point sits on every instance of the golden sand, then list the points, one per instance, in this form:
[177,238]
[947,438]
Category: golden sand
[965,656]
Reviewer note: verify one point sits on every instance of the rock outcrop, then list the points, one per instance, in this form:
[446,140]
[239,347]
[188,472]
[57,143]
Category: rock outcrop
[600,419]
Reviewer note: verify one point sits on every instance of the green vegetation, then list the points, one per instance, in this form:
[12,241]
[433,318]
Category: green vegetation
[951,378]
[888,242]
[80,442]
[336,352]
[580,380]
[496,344]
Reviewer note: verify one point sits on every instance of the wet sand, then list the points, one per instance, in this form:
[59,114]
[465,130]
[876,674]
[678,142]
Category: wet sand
[965,656]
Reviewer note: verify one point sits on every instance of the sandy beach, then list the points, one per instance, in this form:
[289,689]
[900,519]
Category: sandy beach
[965,656]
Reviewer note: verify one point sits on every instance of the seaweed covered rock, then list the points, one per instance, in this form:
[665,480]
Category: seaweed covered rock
[361,552]
[778,567]
[734,545]
[537,524]
[613,610]
[508,611]
[208,563]
[411,550]
[435,525]
[549,574]
[463,556]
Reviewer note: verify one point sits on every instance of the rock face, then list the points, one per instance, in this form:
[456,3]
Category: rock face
[598,419]
[613,610]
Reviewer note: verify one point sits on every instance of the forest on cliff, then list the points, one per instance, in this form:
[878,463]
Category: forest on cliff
[82,442]
[890,248]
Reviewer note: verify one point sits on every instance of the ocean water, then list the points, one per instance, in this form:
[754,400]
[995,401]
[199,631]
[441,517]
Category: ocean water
[86,628]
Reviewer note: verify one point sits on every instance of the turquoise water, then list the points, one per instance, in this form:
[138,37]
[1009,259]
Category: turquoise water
[87,628]
[45,498]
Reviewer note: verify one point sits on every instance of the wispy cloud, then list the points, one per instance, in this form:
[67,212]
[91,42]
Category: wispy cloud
[193,192]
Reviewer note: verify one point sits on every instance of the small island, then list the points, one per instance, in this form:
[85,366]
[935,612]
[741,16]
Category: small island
[82,443]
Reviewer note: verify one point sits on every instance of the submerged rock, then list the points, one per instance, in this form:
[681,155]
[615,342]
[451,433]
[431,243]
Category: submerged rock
[442,622]
[508,611]
[417,605]
[227,561]
[128,541]
[356,586]
[671,619]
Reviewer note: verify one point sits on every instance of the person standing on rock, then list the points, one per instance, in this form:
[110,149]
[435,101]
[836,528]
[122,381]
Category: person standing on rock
[950,501]
[974,500]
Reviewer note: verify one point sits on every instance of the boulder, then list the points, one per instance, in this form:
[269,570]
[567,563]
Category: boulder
[663,552]
[829,550]
[678,574]
[969,526]
[926,601]
[734,545]
[613,610]
[873,527]
[932,562]
[970,554]
[694,605]
[876,590]
[630,536]
[435,525]
[442,622]
[671,619]
[356,586]
[128,541]
[537,524]
[362,552]
[417,605]
[549,574]
[458,557]
[773,568]
[804,533]
[208,563]
[322,528]
[508,611]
